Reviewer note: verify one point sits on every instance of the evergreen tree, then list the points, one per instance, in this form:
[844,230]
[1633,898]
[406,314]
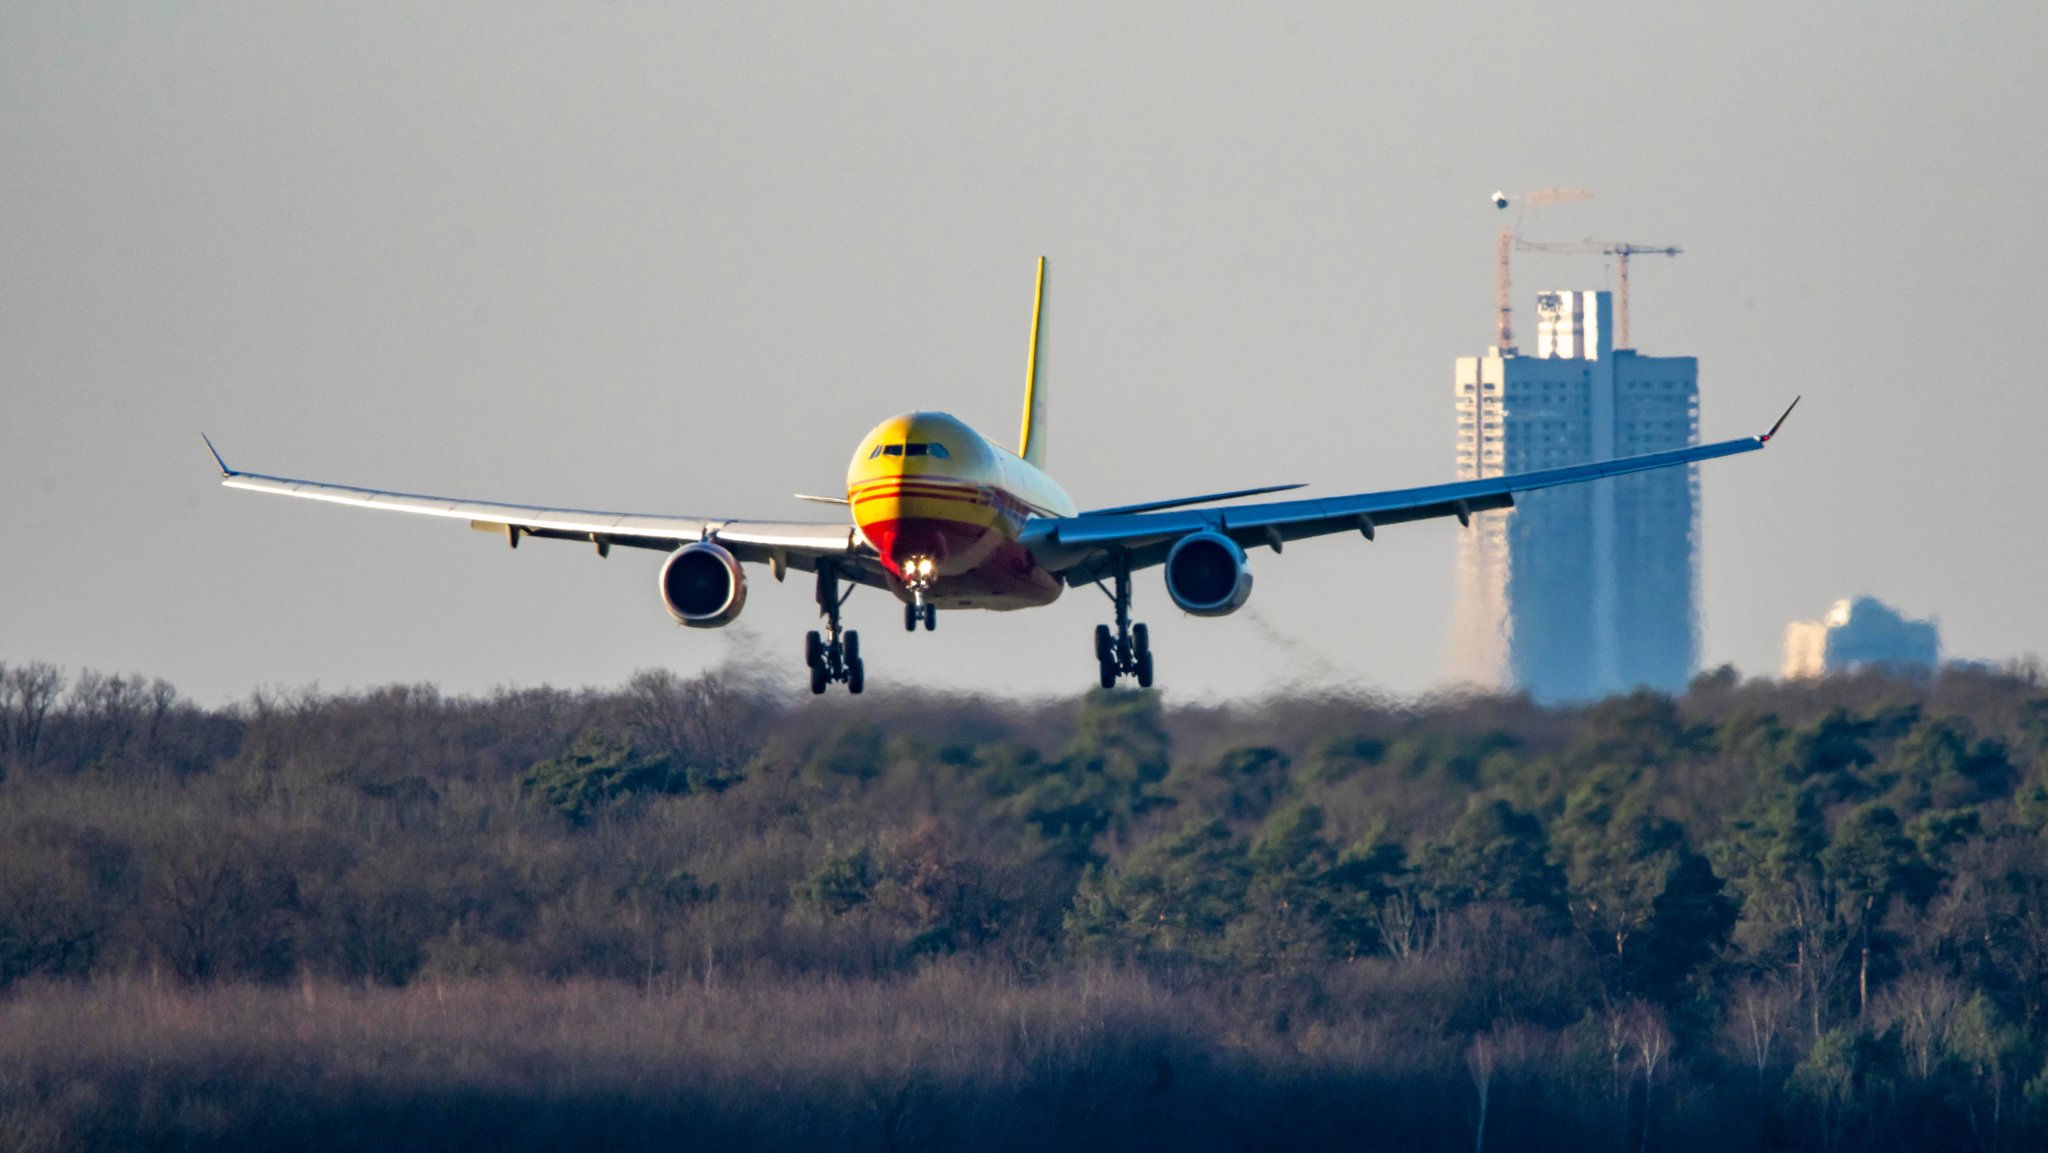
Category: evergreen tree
[1495,852]
[1771,859]
[597,771]
[1109,775]
[1286,922]
[1867,863]
[1649,905]
[1172,900]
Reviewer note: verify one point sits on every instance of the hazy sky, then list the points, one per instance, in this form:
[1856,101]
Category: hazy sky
[678,258]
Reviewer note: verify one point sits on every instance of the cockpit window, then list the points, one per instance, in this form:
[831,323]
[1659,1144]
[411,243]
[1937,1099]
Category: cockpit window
[929,448]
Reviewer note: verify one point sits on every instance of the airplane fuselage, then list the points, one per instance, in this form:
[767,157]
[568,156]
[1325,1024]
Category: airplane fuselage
[943,507]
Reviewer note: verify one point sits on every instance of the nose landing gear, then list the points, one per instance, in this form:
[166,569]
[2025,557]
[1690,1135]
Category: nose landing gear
[834,656]
[918,572]
[1128,650]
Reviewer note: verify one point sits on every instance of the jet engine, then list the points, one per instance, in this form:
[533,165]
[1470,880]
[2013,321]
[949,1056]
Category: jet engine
[702,586]
[1206,575]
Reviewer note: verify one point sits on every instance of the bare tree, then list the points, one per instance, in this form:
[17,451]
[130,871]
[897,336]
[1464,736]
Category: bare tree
[1757,1013]
[1406,929]
[1923,1006]
[1652,1041]
[708,724]
[102,716]
[218,907]
[28,694]
[1481,1058]
[1823,943]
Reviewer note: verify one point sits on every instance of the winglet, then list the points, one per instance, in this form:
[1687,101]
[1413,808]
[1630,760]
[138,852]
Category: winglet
[224,469]
[1766,438]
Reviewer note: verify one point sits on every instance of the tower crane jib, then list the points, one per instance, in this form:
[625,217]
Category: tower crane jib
[1620,250]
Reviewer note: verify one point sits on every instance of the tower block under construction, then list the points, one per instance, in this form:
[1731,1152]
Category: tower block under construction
[1588,590]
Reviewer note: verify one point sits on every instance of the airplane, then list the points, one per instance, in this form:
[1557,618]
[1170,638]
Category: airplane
[941,517]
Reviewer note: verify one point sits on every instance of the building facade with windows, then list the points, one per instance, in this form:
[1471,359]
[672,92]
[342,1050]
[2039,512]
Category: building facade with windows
[1587,590]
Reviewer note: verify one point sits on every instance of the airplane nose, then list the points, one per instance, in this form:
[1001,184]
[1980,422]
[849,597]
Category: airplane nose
[913,544]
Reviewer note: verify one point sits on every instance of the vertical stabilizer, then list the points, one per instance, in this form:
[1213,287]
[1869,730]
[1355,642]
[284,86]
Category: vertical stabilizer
[1031,441]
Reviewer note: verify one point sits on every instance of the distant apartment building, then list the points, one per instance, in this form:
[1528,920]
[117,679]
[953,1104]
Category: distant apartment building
[1592,589]
[1860,632]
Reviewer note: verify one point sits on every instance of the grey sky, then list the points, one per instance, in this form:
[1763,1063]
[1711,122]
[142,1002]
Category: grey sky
[680,257]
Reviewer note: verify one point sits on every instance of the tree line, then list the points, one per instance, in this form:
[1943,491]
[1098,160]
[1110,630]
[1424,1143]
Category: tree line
[1804,916]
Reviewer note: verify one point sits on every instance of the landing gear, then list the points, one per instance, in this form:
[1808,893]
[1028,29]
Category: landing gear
[1127,650]
[917,581]
[835,656]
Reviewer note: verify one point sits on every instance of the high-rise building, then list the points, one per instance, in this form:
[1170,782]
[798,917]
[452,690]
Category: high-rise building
[1591,589]
[1860,632]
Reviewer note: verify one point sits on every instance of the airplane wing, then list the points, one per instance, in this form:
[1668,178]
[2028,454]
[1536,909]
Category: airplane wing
[1087,548]
[780,544]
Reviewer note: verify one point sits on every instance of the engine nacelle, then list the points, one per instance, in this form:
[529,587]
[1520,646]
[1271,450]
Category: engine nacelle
[702,586]
[1206,574]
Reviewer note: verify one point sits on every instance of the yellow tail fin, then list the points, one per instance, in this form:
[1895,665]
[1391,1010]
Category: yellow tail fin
[1031,441]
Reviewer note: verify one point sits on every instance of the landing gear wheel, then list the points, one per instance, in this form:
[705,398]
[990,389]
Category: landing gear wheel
[931,616]
[910,615]
[835,655]
[1126,649]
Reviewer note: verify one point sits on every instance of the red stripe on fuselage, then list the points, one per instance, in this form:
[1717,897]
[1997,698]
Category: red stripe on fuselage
[980,567]
[979,561]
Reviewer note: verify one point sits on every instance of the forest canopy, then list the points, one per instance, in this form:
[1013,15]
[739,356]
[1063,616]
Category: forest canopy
[1797,915]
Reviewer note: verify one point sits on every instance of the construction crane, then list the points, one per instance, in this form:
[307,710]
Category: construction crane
[1504,335]
[1620,250]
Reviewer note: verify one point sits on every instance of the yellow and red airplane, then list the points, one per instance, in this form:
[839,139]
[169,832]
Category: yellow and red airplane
[943,517]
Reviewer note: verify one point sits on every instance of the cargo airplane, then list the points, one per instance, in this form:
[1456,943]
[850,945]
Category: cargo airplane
[941,517]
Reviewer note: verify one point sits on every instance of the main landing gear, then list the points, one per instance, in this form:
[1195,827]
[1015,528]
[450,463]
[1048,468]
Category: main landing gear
[836,655]
[1129,649]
